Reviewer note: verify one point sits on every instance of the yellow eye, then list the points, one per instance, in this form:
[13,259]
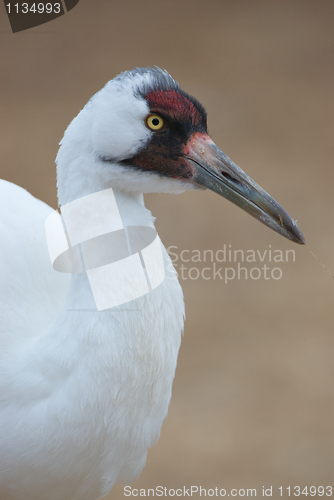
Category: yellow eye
[154,122]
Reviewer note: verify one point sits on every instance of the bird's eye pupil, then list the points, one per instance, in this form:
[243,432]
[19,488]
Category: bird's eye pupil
[155,121]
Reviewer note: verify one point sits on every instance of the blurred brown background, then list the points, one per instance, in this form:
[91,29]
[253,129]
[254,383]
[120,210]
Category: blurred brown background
[253,396]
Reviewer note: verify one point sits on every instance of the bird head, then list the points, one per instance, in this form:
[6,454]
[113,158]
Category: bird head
[142,133]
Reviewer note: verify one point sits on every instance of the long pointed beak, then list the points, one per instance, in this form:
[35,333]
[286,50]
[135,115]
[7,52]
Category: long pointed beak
[216,171]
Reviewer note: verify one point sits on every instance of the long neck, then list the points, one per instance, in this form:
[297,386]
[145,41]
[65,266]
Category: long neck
[80,307]
[80,174]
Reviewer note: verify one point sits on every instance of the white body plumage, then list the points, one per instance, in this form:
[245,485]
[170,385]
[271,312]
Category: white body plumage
[83,400]
[83,394]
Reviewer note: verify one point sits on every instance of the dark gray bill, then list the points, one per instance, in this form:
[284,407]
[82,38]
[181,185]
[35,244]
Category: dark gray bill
[214,170]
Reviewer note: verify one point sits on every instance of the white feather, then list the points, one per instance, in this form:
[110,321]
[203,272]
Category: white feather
[83,394]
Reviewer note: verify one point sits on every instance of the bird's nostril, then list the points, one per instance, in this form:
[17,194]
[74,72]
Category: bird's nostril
[230,177]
